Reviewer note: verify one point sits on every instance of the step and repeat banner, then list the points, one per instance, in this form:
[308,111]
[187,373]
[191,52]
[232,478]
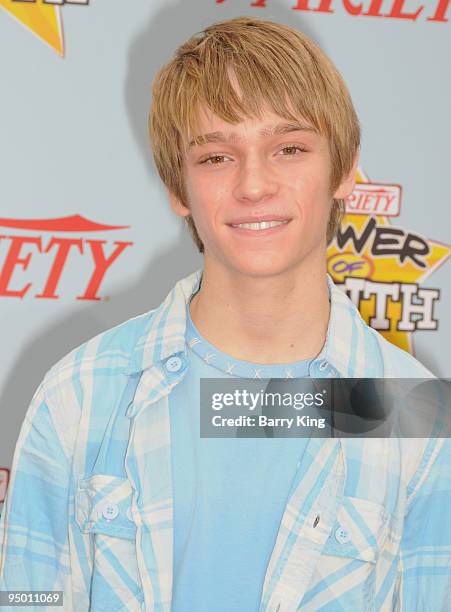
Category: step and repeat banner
[87,239]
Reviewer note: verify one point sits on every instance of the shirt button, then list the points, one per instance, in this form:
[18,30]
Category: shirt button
[323,365]
[110,511]
[342,535]
[173,364]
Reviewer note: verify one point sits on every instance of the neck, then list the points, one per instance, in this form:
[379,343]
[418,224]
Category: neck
[277,319]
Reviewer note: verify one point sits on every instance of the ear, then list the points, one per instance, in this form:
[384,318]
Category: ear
[180,209]
[347,185]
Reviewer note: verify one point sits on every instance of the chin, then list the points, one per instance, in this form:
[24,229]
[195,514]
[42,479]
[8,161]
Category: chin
[261,266]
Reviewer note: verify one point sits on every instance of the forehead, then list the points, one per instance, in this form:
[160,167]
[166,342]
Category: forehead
[210,127]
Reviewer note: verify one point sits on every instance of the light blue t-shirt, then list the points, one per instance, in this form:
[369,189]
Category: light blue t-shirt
[229,493]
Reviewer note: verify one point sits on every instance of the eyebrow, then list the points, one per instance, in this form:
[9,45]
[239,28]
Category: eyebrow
[232,138]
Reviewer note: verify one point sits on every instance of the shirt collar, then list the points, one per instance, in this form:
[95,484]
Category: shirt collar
[351,346]
[343,350]
[164,331]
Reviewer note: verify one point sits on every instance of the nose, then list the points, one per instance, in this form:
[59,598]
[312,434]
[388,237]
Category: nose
[255,181]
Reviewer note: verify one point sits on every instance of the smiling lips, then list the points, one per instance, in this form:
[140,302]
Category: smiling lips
[260,226]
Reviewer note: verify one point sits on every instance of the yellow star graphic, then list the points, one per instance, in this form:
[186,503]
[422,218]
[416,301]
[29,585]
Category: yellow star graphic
[44,20]
[383,268]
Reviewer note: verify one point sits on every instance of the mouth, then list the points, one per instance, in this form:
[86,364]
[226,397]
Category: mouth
[260,228]
[262,225]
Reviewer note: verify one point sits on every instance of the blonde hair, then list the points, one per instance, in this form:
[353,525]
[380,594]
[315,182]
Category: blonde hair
[274,65]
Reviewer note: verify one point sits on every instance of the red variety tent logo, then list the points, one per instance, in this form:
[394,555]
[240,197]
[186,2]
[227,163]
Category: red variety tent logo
[409,10]
[18,253]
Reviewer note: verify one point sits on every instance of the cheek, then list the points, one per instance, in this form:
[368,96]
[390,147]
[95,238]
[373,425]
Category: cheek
[312,197]
[207,200]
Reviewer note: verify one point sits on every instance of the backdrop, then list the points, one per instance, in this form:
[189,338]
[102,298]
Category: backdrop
[87,239]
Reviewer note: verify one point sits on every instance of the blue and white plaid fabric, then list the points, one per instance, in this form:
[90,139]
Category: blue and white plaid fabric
[89,509]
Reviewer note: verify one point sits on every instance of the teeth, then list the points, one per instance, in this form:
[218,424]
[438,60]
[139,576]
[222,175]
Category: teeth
[260,226]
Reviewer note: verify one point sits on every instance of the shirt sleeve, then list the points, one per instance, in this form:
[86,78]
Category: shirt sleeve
[426,542]
[34,547]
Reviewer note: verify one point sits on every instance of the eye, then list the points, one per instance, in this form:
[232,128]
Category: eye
[291,150]
[213,160]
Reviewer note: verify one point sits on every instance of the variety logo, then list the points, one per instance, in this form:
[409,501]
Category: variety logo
[42,17]
[4,479]
[46,258]
[395,9]
[380,266]
[377,199]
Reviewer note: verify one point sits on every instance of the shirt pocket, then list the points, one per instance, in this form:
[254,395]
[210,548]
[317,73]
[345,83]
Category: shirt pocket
[347,567]
[103,510]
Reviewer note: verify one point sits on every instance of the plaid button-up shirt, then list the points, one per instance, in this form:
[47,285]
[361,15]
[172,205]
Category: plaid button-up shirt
[89,509]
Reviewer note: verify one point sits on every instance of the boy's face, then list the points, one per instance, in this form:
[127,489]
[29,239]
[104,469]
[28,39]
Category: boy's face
[268,170]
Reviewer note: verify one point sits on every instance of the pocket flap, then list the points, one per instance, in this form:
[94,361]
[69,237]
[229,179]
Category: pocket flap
[359,531]
[103,505]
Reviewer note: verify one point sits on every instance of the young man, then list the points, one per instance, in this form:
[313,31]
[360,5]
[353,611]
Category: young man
[114,498]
